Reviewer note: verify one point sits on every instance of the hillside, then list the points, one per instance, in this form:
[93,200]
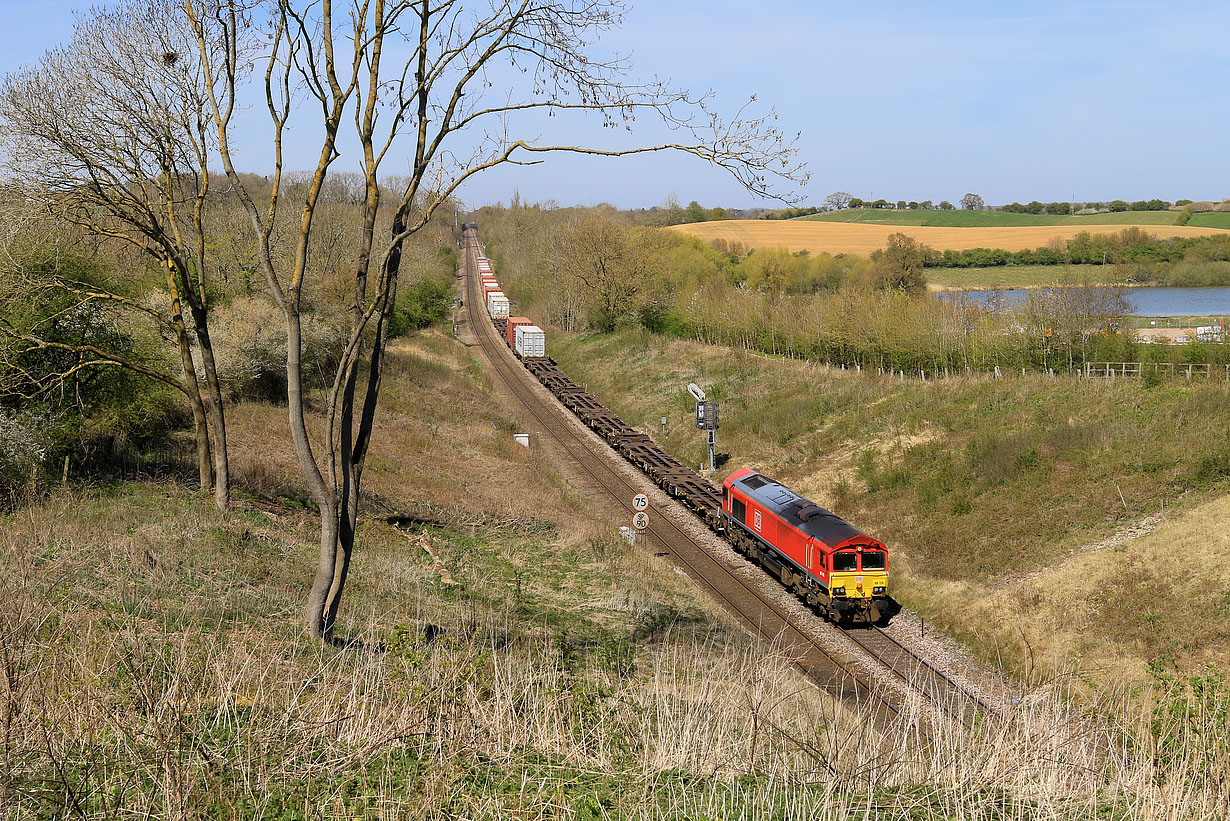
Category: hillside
[154,659]
[1003,219]
[155,664]
[863,238]
[987,489]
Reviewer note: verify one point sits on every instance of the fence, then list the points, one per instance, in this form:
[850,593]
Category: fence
[1112,370]
[1090,370]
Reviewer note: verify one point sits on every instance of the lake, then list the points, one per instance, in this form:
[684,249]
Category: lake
[1148,301]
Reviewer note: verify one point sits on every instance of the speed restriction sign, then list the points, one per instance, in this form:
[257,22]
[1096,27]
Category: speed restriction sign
[640,520]
[640,502]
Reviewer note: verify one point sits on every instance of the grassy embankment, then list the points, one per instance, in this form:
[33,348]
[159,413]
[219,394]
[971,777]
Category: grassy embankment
[153,659]
[994,494]
[997,219]
[154,664]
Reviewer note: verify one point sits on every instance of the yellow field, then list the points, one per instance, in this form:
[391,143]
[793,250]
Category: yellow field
[862,238]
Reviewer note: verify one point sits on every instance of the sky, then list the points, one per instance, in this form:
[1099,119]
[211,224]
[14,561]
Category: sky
[898,99]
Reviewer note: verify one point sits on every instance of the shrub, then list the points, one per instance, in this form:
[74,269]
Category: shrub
[1213,467]
[23,448]
[250,349]
[420,304]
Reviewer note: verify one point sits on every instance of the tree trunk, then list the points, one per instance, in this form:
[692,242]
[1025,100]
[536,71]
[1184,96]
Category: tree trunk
[316,622]
[355,447]
[192,387]
[324,494]
[216,413]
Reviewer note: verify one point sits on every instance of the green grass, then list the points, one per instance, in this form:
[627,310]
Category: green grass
[992,219]
[1211,219]
[970,480]
[1021,276]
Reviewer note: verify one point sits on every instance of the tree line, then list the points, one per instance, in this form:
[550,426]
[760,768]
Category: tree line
[1140,257]
[592,270]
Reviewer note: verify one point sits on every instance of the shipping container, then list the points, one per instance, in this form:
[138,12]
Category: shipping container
[513,322]
[497,305]
[531,341]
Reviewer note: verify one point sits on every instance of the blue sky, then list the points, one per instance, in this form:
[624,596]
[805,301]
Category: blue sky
[902,100]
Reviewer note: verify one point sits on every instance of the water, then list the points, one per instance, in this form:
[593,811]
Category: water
[1147,301]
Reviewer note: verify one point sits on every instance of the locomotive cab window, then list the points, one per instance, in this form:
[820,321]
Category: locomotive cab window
[845,561]
[873,560]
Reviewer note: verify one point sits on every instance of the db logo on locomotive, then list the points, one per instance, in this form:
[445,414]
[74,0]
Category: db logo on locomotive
[756,520]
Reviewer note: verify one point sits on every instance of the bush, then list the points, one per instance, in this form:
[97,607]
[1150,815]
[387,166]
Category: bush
[250,350]
[420,304]
[23,448]
[1213,467]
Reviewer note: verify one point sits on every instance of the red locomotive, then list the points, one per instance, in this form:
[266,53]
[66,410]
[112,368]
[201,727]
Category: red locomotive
[833,566]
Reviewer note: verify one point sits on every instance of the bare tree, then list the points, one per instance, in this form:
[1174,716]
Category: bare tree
[838,200]
[606,261]
[112,133]
[424,72]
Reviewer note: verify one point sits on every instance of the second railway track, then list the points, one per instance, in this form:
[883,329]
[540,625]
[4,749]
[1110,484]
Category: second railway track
[594,464]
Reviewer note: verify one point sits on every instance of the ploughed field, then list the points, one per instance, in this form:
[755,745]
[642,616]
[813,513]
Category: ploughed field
[863,238]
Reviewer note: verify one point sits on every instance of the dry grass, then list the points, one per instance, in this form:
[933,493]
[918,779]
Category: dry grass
[128,691]
[1061,607]
[151,664]
[860,238]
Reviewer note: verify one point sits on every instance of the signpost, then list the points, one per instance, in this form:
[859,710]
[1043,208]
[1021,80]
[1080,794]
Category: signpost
[640,502]
[640,520]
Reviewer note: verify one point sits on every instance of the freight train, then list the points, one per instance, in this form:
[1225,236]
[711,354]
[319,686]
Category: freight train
[836,569]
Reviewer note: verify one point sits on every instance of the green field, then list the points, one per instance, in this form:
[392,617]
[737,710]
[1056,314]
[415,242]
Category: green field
[992,219]
[1021,276]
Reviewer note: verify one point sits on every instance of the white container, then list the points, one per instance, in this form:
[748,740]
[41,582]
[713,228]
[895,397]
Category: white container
[522,439]
[498,305]
[531,341]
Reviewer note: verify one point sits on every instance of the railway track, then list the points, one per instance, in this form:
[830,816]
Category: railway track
[838,676]
[919,674]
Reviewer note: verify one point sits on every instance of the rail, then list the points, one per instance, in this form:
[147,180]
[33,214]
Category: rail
[681,482]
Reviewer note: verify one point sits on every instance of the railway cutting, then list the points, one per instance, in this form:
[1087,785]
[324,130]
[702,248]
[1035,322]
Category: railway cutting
[595,447]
